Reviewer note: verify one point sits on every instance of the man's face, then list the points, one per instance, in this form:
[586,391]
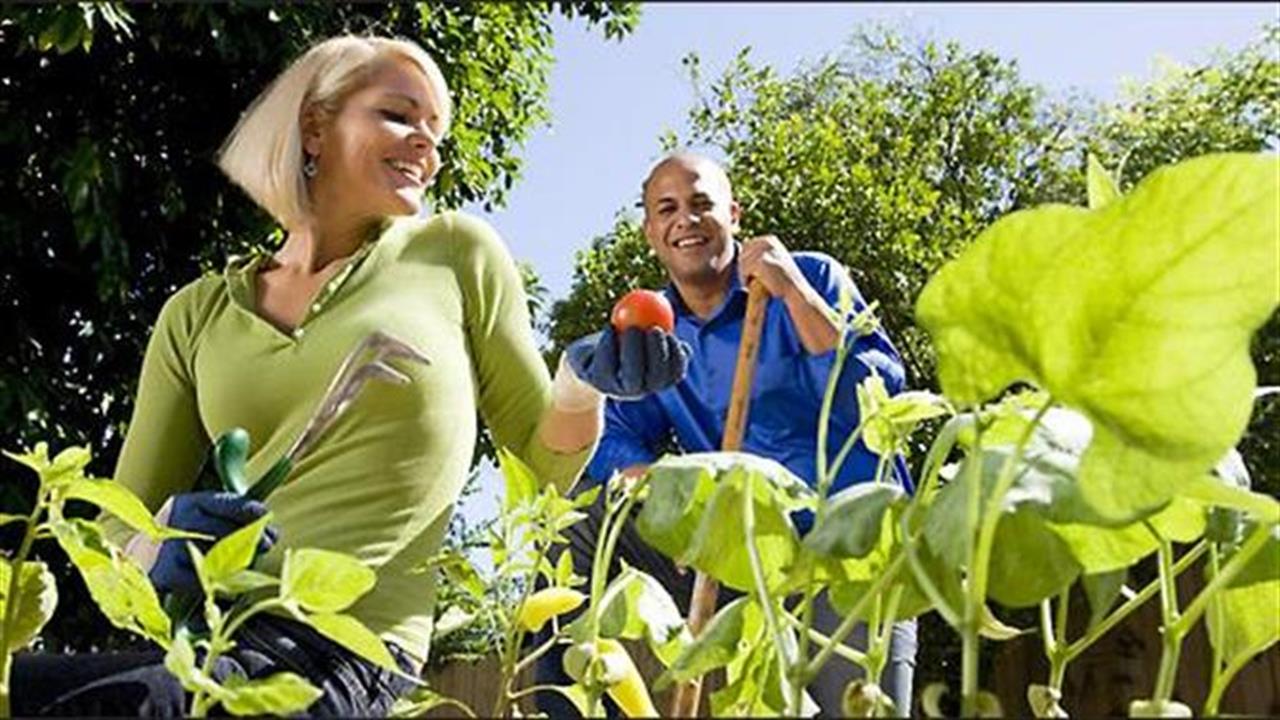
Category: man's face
[690,219]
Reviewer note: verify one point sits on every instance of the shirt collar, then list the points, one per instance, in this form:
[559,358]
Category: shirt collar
[734,296]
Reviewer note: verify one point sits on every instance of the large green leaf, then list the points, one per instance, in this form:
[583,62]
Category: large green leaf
[37,598]
[1078,302]
[324,581]
[280,694]
[694,514]
[234,553]
[354,636]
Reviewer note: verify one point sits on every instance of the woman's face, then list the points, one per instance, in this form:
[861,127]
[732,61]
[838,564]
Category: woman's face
[377,155]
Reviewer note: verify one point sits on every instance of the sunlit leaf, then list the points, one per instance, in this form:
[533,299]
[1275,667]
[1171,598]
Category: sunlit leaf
[37,598]
[1078,302]
[234,552]
[354,636]
[279,694]
[324,581]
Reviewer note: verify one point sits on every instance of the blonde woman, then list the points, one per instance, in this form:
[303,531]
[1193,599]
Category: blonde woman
[339,149]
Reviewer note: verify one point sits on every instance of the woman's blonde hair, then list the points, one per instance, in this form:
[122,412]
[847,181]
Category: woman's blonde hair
[264,154]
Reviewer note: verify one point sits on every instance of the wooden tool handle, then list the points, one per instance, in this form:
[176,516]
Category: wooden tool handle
[702,604]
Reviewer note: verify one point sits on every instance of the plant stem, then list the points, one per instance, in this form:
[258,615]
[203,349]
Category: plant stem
[757,573]
[980,556]
[1172,642]
[1222,681]
[851,620]
[1234,566]
[533,656]
[13,600]
[844,651]
[1096,632]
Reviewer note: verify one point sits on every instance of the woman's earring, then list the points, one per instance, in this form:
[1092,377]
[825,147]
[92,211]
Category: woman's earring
[309,166]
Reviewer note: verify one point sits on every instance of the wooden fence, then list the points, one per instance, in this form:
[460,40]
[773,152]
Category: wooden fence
[1117,669]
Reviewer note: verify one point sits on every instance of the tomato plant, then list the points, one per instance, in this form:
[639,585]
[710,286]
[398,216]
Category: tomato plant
[643,309]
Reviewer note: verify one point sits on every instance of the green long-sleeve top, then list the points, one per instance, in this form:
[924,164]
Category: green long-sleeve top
[382,482]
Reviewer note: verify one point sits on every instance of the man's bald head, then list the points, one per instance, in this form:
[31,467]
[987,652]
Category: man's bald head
[690,162]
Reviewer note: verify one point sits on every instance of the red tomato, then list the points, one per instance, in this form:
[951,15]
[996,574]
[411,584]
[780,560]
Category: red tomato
[643,309]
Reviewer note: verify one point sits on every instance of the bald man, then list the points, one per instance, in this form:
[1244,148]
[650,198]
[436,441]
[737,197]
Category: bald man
[691,222]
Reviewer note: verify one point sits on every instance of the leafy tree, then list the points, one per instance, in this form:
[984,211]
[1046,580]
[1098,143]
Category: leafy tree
[112,116]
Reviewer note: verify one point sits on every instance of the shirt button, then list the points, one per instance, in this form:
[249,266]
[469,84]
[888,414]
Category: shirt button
[298,333]
[315,308]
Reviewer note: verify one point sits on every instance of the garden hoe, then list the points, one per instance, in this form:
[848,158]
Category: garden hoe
[232,447]
[702,604]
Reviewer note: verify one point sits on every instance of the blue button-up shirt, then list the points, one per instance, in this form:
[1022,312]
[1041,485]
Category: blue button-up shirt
[786,397]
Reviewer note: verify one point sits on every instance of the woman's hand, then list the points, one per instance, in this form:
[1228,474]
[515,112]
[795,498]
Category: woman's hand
[216,514]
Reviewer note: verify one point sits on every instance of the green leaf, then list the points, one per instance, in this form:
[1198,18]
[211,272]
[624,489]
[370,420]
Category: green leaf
[1243,621]
[180,661]
[1102,187]
[694,514]
[234,552]
[279,694]
[890,420]
[1102,589]
[522,484]
[855,520]
[1023,537]
[36,458]
[1077,302]
[718,643]
[37,599]
[324,581]
[124,505]
[246,581]
[116,583]
[634,606]
[1264,566]
[354,636]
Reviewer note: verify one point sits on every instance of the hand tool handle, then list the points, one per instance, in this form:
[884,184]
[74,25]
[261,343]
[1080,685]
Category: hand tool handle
[702,604]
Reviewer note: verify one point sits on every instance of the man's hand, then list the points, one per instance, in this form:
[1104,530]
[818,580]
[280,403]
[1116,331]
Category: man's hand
[208,512]
[767,259]
[630,364]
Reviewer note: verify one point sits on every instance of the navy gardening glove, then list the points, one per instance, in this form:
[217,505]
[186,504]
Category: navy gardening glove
[216,513]
[630,364]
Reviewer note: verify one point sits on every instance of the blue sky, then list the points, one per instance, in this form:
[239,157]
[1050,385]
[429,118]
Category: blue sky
[611,101]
